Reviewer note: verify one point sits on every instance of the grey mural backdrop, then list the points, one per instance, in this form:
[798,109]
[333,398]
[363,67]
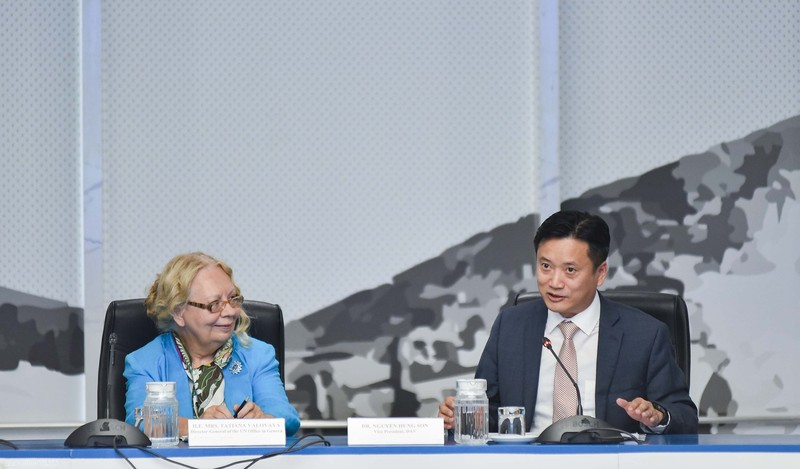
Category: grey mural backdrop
[41,357]
[41,332]
[355,139]
[720,228]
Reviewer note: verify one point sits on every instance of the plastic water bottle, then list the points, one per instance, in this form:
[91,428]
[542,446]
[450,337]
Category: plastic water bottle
[472,412]
[160,414]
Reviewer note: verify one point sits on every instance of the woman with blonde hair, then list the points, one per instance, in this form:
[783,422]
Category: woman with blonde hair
[204,348]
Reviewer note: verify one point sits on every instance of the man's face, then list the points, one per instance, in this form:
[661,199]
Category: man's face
[566,276]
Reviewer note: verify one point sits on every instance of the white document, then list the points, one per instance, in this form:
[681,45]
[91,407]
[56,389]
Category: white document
[237,432]
[395,431]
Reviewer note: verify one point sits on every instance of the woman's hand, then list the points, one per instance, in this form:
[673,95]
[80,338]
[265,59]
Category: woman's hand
[183,426]
[251,410]
[217,412]
[248,411]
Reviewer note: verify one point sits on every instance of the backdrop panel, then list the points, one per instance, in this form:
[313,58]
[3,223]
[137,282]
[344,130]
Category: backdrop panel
[41,276]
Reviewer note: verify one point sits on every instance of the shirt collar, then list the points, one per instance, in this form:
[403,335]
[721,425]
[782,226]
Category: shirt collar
[587,320]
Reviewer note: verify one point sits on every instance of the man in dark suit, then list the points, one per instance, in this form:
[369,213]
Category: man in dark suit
[626,366]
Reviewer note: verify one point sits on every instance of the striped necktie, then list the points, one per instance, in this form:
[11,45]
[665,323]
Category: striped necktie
[565,399]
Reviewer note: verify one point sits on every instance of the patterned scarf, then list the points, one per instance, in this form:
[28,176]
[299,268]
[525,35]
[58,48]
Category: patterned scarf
[208,385]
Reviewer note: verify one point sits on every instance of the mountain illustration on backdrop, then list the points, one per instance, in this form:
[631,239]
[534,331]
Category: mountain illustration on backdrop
[720,228]
[396,350]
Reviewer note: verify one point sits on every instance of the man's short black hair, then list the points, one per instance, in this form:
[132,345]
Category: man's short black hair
[578,225]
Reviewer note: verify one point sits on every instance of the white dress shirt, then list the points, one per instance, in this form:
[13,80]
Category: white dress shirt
[585,340]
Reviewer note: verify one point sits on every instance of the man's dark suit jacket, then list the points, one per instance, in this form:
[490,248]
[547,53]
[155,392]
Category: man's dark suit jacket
[635,358]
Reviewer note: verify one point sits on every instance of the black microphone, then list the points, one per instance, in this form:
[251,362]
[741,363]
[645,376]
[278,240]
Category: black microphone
[578,428]
[112,342]
[549,346]
[107,431]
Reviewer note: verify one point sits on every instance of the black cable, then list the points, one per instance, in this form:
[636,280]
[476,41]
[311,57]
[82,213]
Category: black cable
[631,437]
[153,453]
[596,435]
[117,450]
[293,448]
[8,443]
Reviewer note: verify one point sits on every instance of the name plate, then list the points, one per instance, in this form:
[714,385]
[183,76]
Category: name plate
[395,431]
[237,432]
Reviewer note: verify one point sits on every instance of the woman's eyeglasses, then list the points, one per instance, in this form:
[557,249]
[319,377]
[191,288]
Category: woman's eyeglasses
[218,305]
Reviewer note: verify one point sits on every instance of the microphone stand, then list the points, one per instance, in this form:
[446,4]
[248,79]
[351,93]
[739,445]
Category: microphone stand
[578,428]
[112,342]
[107,432]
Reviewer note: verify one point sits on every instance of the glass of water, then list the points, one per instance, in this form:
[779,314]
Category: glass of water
[511,420]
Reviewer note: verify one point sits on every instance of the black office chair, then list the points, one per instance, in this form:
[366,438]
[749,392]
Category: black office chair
[128,321]
[667,308]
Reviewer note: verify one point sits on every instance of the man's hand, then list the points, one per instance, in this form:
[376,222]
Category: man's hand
[447,411]
[642,411]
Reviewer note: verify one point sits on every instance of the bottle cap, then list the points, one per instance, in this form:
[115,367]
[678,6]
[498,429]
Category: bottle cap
[161,388]
[471,384]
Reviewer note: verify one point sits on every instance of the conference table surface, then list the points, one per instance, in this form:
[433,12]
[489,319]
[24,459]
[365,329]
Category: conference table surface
[656,451]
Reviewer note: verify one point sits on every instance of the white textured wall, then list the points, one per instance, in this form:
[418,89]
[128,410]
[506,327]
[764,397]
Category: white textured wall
[40,193]
[646,82]
[319,147]
[322,147]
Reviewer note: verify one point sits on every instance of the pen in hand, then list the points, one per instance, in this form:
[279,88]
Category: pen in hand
[236,414]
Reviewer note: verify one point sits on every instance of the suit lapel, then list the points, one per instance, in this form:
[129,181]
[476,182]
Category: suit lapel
[608,349]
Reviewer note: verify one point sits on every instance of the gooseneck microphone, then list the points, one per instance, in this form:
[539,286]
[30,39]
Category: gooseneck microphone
[107,431]
[112,342]
[579,428]
[549,346]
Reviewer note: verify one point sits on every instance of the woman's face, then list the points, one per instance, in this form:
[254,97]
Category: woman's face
[201,331]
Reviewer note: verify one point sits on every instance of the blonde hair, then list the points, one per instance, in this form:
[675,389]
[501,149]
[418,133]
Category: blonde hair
[170,292]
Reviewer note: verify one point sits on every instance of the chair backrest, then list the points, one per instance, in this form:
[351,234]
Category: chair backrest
[667,308]
[132,329]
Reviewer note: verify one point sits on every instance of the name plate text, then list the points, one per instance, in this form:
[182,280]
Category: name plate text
[237,432]
[395,431]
